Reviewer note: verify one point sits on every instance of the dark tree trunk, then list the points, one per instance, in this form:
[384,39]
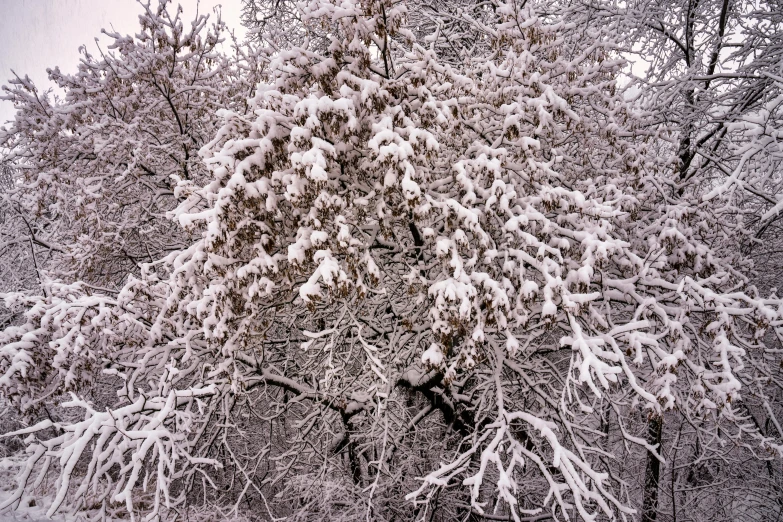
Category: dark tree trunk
[653,472]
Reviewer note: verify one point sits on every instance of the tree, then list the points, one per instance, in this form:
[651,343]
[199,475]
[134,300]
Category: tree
[101,164]
[18,263]
[711,87]
[409,261]
[712,78]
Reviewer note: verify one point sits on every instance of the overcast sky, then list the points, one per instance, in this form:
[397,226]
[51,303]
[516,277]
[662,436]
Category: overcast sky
[36,34]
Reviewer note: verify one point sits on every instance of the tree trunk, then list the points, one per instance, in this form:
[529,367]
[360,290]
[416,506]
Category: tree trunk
[653,471]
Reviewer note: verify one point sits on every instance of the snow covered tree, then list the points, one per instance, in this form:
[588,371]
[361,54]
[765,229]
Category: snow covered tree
[425,283]
[710,74]
[18,263]
[100,164]
[710,85]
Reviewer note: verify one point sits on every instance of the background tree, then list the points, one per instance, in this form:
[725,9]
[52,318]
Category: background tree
[710,73]
[709,82]
[99,166]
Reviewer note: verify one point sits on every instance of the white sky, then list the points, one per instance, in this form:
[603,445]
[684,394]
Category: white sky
[40,34]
